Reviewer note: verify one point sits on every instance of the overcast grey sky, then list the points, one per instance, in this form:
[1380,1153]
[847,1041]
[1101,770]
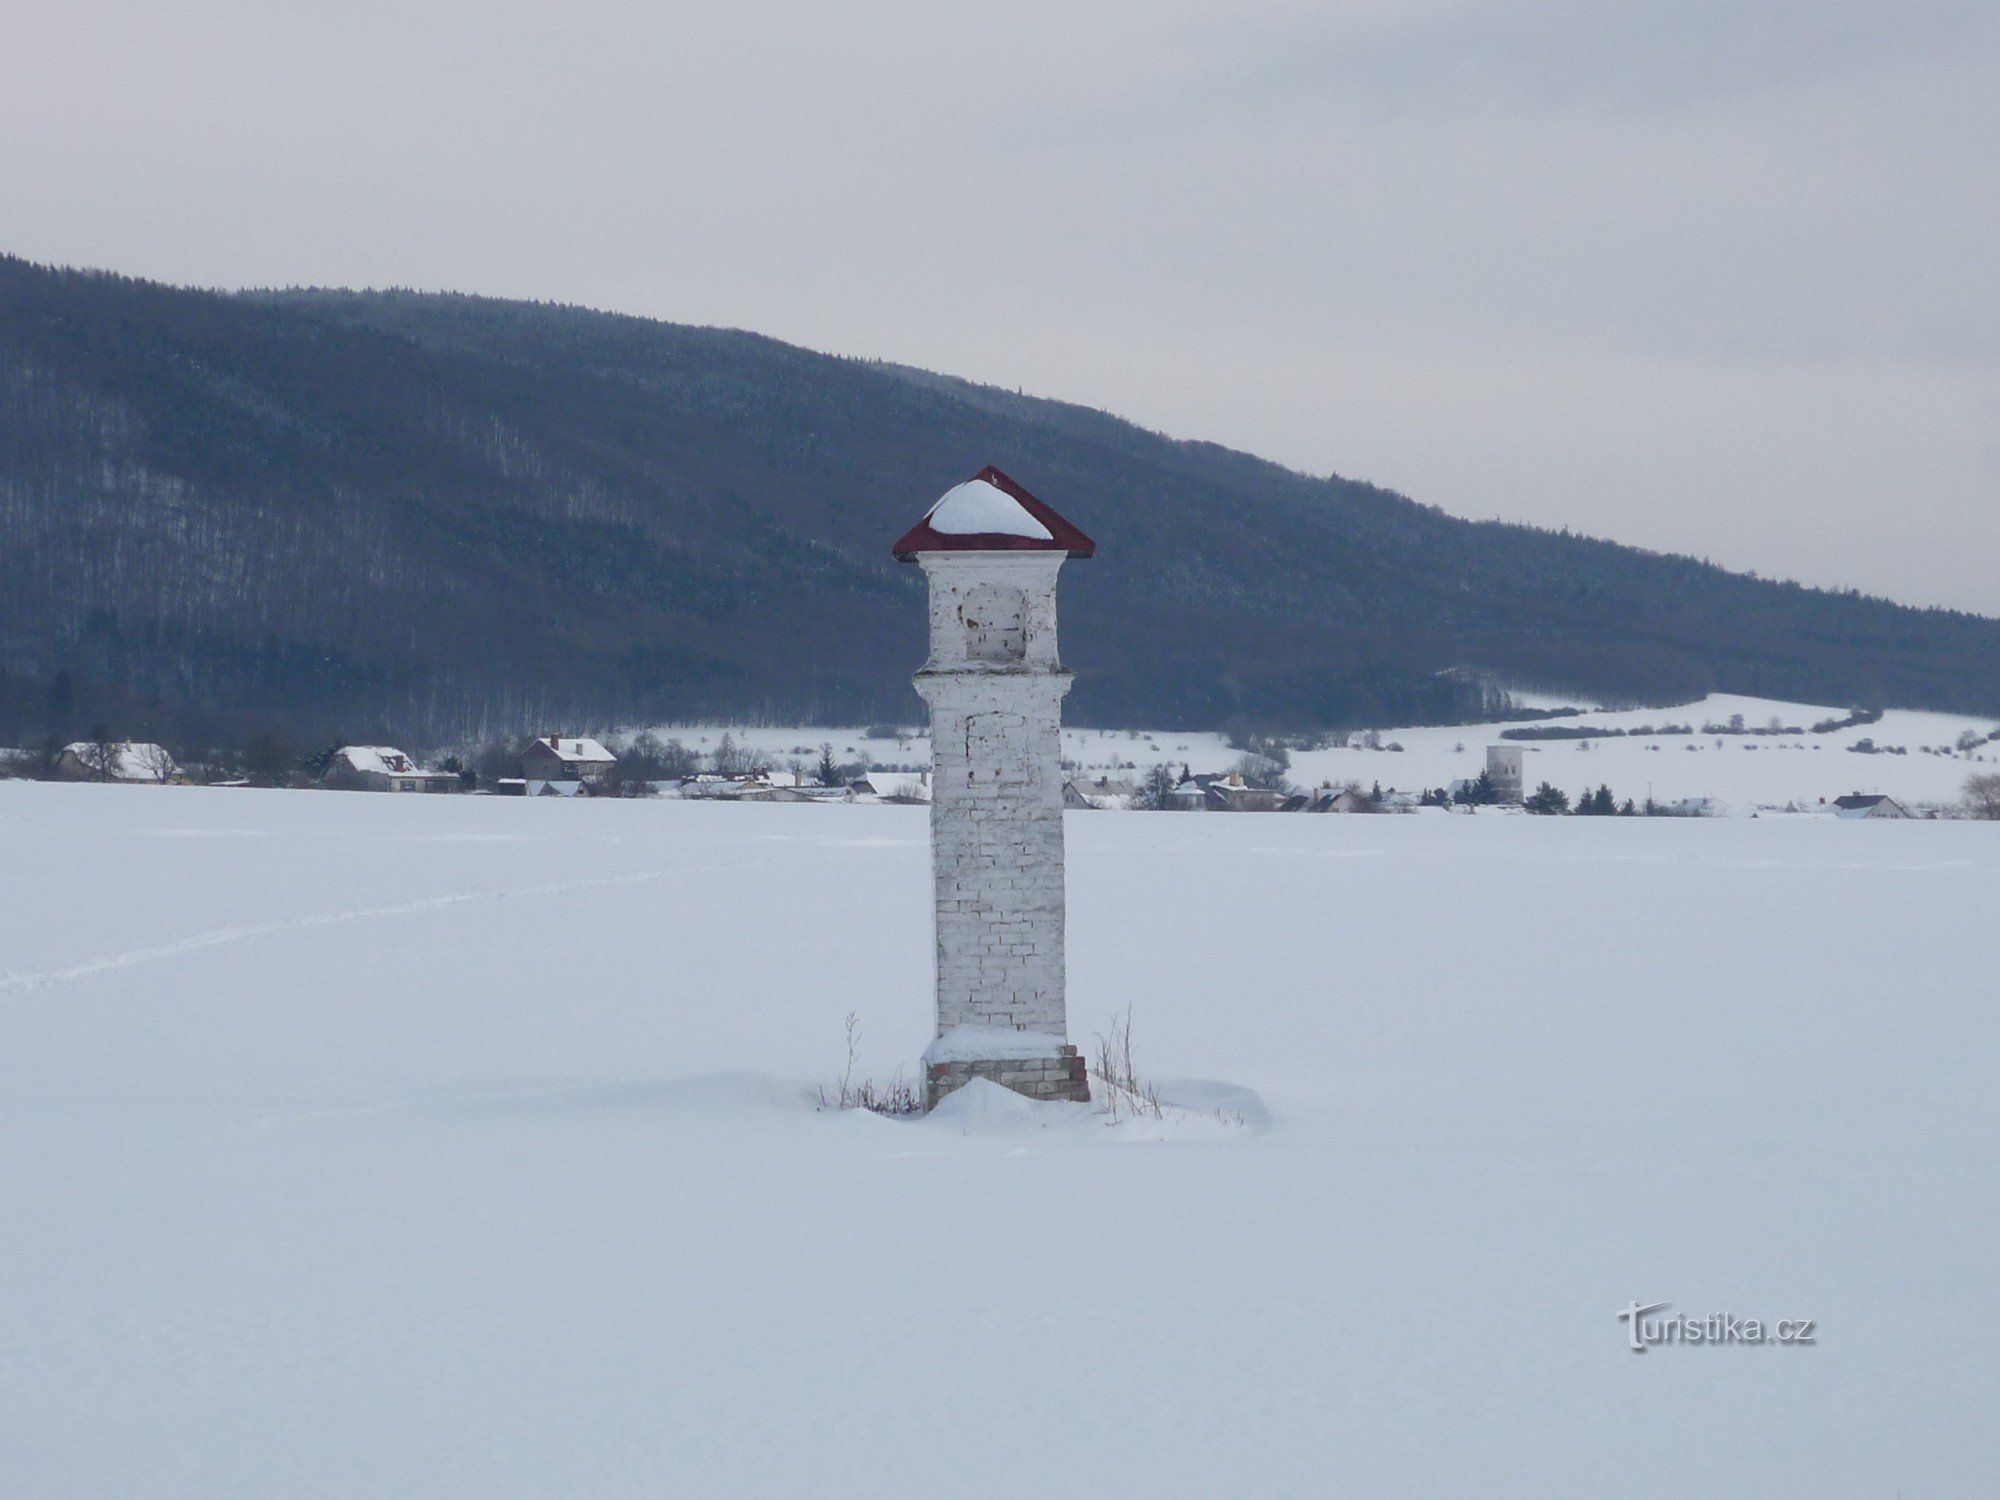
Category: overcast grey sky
[1706,276]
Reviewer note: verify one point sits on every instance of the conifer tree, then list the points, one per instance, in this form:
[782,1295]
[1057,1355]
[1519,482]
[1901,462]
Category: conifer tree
[1548,801]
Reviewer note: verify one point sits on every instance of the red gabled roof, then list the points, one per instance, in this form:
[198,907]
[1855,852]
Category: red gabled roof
[1063,537]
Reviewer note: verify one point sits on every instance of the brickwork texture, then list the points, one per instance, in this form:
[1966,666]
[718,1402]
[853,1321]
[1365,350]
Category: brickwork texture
[995,686]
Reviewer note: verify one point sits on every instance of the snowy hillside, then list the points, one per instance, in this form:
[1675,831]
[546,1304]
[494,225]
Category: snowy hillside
[697,521]
[465,1147]
[1743,773]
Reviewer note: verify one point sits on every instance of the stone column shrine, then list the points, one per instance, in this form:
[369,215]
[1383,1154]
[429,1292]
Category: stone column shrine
[990,552]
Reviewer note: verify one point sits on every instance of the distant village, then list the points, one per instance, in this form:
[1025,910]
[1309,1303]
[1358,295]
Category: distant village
[564,765]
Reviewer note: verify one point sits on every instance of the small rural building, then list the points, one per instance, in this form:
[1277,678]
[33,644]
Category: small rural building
[1336,799]
[560,757]
[773,786]
[793,786]
[1231,794]
[119,760]
[758,786]
[1190,794]
[1869,805]
[382,768]
[892,786]
[1100,793]
[1691,807]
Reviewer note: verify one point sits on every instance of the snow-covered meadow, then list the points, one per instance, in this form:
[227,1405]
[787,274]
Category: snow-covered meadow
[364,1145]
[1741,774]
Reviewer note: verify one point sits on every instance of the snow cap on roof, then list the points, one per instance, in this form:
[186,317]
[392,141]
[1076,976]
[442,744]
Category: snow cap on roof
[991,513]
[378,760]
[579,749]
[977,508]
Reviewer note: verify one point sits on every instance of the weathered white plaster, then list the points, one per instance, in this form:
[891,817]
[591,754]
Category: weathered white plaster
[995,685]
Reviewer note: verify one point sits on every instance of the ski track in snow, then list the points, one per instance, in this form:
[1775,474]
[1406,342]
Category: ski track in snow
[220,937]
[223,936]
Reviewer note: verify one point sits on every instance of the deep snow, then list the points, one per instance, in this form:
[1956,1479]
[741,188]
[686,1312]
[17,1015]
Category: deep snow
[368,1145]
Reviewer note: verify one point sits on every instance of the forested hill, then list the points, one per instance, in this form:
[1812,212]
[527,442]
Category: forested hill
[419,516]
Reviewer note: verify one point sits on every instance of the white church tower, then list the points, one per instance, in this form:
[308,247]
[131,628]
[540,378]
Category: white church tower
[995,684]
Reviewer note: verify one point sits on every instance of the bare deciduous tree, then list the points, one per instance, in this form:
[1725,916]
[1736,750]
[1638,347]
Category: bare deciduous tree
[156,763]
[1261,770]
[732,758]
[101,754]
[1982,794]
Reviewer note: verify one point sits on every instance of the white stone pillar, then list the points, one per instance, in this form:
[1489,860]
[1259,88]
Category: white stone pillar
[995,682]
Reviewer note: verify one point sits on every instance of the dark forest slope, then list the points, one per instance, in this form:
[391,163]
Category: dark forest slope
[421,515]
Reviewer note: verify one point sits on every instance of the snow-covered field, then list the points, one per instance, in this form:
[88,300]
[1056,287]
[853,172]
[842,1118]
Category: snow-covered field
[1744,773]
[372,1146]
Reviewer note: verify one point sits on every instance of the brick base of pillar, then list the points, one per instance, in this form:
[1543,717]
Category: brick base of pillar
[1060,1077]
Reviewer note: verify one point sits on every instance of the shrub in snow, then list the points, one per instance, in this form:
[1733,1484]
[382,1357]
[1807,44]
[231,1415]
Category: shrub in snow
[895,1098]
[1121,1088]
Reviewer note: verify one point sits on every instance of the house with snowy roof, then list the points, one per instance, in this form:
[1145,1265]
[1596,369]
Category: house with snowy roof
[1101,793]
[1337,799]
[1231,793]
[1190,793]
[1869,805]
[562,757]
[382,768]
[704,784]
[778,786]
[118,760]
[891,786]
